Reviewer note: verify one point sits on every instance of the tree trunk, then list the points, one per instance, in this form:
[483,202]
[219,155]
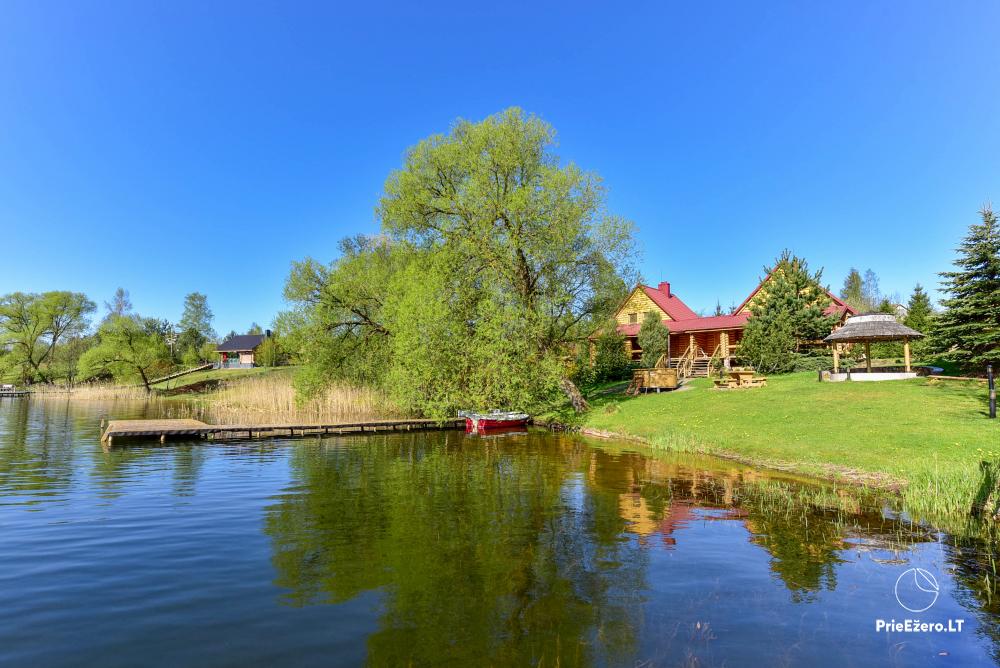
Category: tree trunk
[573,394]
[145,381]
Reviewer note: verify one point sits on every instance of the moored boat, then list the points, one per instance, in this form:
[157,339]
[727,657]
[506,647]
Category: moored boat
[477,422]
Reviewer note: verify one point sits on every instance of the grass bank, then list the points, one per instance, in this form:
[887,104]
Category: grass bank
[923,437]
[200,381]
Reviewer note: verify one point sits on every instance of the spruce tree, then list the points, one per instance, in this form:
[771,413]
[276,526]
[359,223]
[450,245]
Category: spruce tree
[968,330]
[919,311]
[785,314]
[920,316]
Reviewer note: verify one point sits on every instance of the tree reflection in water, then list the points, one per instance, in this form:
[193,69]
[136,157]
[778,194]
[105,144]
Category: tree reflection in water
[528,550]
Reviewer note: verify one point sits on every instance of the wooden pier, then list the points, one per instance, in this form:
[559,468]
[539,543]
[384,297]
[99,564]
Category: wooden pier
[163,429]
[13,393]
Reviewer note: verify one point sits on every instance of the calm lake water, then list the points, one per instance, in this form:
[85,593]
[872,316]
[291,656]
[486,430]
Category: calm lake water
[438,548]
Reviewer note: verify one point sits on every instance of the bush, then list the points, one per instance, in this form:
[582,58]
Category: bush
[611,362]
[812,361]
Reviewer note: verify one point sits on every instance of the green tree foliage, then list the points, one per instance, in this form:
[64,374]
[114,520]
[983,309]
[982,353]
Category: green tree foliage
[919,312]
[968,330]
[66,357]
[195,328]
[785,314]
[269,352]
[127,350]
[337,329]
[853,291]
[862,293]
[255,329]
[767,343]
[920,316]
[494,261]
[32,325]
[654,339]
[197,316]
[611,362]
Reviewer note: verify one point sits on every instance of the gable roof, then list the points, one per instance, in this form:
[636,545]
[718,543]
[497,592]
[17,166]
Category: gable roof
[838,305]
[240,343]
[669,302]
[696,324]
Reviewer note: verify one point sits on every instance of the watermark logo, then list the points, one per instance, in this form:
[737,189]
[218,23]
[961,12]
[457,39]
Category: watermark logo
[916,589]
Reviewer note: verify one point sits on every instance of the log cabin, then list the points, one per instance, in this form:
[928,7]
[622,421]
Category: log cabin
[698,339]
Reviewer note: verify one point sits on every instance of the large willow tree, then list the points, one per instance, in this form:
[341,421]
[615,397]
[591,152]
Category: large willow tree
[495,260]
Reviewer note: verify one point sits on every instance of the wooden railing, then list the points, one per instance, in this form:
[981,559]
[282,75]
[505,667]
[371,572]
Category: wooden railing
[686,361]
[717,353]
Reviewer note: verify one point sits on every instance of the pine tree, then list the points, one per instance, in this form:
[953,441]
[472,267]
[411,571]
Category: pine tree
[968,330]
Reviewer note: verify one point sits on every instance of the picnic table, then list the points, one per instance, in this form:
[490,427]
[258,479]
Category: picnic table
[741,377]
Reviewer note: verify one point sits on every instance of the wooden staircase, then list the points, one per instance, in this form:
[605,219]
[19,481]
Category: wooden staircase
[700,366]
[694,363]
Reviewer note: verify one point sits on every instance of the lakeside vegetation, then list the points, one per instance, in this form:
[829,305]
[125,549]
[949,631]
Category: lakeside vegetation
[924,438]
[241,396]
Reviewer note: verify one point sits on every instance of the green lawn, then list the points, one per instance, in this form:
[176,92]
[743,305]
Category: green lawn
[923,436]
[213,375]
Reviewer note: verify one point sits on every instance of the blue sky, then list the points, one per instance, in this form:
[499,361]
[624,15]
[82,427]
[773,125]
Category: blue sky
[174,147]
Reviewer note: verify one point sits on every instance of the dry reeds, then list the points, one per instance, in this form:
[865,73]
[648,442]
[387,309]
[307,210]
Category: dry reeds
[272,399]
[93,392]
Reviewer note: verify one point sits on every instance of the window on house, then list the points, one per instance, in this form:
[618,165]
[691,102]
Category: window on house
[633,318]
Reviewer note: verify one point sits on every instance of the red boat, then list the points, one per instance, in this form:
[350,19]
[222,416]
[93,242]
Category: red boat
[478,422]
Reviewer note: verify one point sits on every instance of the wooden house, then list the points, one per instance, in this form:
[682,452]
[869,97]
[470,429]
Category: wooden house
[695,340]
[239,352]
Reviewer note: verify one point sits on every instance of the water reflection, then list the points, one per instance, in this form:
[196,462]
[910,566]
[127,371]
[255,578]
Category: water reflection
[537,549]
[438,548]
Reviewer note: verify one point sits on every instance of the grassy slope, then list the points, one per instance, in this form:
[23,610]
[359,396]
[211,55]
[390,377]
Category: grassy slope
[215,375]
[924,434]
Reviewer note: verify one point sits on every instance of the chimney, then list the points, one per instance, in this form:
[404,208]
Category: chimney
[665,288]
[267,333]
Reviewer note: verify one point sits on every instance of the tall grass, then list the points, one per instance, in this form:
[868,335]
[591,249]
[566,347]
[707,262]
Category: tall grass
[93,392]
[272,399]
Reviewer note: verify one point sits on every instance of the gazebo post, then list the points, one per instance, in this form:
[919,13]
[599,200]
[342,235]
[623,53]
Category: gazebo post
[906,354]
[868,355]
[836,358]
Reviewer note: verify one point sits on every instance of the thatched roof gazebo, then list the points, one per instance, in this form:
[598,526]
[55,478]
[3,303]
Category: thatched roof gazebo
[872,327]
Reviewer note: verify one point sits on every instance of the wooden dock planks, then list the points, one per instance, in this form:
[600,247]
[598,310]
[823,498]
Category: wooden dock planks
[134,429]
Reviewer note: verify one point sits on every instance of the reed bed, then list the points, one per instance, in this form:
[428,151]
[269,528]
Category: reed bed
[93,392]
[272,399]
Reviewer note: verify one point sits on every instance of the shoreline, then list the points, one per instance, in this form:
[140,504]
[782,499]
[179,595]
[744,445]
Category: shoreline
[833,473]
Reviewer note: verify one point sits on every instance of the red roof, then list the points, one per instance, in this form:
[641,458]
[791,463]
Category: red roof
[669,302]
[838,305]
[695,324]
[684,320]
